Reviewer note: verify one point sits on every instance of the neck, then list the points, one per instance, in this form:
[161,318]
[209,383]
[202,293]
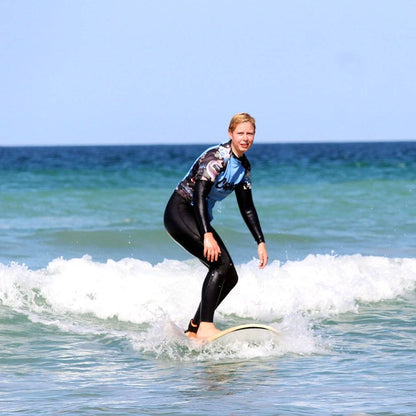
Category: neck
[235,153]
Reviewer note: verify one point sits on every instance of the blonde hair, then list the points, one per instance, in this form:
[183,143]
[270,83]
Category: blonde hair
[241,118]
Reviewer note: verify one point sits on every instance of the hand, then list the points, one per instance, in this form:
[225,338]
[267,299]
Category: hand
[211,248]
[263,256]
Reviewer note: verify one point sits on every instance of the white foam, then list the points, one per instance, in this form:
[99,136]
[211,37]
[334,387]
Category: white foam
[319,285]
[284,295]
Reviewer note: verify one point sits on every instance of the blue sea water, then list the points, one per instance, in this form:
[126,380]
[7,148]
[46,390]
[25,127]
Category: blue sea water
[94,294]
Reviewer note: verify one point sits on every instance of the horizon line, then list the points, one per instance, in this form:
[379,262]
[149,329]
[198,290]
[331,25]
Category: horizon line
[180,143]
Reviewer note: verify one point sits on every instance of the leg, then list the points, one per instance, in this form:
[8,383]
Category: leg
[229,282]
[221,278]
[219,282]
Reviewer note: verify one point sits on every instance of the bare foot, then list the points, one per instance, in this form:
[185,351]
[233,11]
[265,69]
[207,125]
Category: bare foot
[191,335]
[206,330]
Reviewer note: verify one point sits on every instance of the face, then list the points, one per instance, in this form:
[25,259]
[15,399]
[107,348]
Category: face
[242,138]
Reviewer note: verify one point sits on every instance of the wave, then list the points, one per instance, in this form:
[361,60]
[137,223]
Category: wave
[160,299]
[137,291]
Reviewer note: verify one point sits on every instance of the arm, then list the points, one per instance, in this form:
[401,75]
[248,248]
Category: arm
[211,247]
[249,214]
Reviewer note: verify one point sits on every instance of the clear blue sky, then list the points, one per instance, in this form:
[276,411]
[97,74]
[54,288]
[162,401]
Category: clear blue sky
[161,71]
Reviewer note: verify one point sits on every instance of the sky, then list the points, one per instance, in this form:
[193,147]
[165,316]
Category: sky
[161,71]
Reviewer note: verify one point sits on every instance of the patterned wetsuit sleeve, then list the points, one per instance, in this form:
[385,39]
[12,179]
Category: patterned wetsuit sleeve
[248,211]
[210,166]
[201,191]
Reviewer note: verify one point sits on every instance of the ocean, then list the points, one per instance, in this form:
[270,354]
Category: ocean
[94,295]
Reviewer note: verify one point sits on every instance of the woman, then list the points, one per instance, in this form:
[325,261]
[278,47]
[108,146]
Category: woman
[219,171]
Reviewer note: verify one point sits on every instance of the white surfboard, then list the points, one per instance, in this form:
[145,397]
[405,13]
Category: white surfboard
[247,332]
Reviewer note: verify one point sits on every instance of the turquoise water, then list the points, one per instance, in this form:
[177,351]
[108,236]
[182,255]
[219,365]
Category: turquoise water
[94,294]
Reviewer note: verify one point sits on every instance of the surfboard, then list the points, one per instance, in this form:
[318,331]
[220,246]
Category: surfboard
[246,332]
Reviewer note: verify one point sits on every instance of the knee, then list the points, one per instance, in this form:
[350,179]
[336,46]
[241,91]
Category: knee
[232,276]
[227,270]
[224,264]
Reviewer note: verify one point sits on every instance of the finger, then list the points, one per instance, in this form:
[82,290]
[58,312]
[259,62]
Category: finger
[218,253]
[263,262]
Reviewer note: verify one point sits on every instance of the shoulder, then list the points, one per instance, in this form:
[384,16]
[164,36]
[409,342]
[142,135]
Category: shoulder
[219,152]
[218,155]
[212,162]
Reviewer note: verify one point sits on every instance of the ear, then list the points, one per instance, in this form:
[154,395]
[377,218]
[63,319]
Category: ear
[230,134]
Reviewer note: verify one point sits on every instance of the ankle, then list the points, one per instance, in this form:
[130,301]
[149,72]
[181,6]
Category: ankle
[192,328]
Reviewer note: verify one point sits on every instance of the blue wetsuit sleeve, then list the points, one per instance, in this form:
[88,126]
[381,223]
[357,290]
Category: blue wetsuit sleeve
[201,191]
[248,212]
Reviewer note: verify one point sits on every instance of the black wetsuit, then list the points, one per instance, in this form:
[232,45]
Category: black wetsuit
[213,176]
